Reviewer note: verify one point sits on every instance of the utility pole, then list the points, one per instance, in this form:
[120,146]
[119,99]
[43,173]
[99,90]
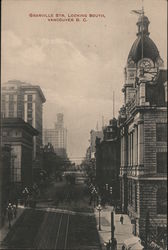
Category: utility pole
[99,208]
[146,230]
[113,240]
[112,226]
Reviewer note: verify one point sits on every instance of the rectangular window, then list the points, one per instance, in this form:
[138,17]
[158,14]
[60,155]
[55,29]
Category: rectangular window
[161,131]
[162,162]
[4,133]
[29,98]
[10,97]
[29,106]
[29,114]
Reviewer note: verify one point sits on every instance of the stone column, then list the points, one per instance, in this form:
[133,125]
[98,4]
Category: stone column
[140,146]
[122,151]
[136,147]
[25,108]
[128,149]
[165,87]
[125,151]
[15,105]
[142,93]
[131,149]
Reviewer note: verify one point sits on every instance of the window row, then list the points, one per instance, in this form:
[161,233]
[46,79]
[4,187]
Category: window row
[161,198]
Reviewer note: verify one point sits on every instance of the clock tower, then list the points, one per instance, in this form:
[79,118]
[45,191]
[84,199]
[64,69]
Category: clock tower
[143,63]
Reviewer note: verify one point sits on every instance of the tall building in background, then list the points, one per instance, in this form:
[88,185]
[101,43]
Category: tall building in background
[57,136]
[24,100]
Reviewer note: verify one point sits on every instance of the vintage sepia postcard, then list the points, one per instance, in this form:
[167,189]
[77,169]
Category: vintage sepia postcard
[83,125]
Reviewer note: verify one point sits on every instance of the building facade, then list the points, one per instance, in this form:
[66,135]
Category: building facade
[108,160]
[24,100]
[143,131]
[93,135]
[19,135]
[4,181]
[57,136]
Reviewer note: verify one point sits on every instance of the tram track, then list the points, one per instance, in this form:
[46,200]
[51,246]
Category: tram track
[62,234]
[54,230]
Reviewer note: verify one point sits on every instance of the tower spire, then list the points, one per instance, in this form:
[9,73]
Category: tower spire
[102,122]
[142,24]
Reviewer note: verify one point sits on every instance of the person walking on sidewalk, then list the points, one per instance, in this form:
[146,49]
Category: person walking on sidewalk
[25,193]
[121,219]
[14,210]
[9,214]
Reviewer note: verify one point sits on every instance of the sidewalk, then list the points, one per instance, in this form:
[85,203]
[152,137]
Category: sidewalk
[5,229]
[121,233]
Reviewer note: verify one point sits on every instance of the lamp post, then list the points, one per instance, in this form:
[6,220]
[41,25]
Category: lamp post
[111,192]
[13,157]
[99,208]
[147,221]
[94,194]
[112,226]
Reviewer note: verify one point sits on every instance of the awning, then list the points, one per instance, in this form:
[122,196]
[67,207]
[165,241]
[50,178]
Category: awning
[132,241]
[137,246]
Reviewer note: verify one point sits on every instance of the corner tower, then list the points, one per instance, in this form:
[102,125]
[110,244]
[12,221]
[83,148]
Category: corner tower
[143,54]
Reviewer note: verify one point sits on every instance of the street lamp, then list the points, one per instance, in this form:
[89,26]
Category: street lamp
[94,194]
[99,208]
[106,187]
[111,192]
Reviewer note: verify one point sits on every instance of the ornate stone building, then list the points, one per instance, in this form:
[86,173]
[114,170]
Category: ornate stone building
[143,131]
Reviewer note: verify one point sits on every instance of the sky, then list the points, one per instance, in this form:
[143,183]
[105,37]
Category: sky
[77,64]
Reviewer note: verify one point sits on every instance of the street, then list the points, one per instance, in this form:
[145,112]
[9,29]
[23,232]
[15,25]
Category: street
[68,225]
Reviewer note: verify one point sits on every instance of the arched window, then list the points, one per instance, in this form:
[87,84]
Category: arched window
[162,201]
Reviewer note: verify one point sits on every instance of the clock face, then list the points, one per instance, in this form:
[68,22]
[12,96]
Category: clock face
[145,63]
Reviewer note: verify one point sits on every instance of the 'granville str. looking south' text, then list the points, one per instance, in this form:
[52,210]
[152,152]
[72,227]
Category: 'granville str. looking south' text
[65,15]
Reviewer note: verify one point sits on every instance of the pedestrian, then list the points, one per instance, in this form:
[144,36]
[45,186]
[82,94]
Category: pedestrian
[123,248]
[108,245]
[14,211]
[25,195]
[16,202]
[121,219]
[9,214]
[114,245]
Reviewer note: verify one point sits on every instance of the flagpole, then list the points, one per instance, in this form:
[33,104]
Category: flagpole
[142,29]
[113,104]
